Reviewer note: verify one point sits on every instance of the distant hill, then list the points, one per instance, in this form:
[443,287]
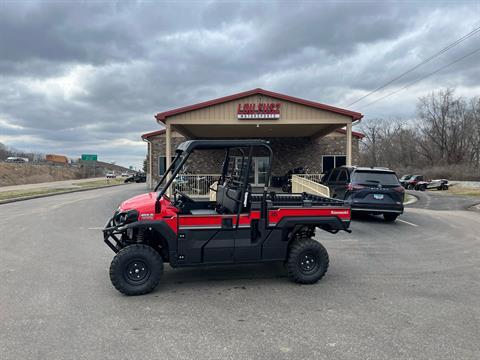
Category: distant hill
[112,167]
[101,168]
[31,173]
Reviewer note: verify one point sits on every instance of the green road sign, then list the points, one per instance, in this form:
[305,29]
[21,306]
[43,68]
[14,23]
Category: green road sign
[89,157]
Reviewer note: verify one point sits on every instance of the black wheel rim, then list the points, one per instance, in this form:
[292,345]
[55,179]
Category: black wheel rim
[137,272]
[308,263]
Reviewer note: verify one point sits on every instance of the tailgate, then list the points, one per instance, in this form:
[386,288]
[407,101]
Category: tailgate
[335,218]
[377,197]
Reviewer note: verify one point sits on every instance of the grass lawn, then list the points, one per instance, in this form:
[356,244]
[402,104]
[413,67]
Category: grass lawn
[458,190]
[408,198]
[100,183]
[15,194]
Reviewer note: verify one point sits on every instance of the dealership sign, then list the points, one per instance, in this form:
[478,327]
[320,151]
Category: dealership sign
[258,111]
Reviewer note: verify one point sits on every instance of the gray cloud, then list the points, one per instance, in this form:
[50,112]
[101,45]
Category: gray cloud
[90,76]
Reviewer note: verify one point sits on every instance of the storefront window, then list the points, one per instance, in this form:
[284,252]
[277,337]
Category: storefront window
[332,161]
[162,165]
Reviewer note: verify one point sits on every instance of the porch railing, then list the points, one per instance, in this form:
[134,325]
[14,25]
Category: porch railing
[198,185]
[307,183]
[313,177]
[195,185]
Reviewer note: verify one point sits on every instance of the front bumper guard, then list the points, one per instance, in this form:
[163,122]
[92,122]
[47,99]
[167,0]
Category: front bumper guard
[111,232]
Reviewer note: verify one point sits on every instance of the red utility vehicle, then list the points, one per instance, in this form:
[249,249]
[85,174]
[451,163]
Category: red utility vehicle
[241,226]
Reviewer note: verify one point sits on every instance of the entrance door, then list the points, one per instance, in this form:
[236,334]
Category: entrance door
[261,166]
[258,173]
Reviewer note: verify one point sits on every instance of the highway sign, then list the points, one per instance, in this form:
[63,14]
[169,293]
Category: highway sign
[89,157]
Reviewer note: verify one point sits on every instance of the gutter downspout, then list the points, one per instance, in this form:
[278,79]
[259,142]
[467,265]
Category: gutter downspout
[149,174]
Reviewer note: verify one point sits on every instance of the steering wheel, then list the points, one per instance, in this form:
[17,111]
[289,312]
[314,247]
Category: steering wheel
[185,196]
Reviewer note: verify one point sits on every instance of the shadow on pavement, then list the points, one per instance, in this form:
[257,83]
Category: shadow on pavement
[209,275]
[368,218]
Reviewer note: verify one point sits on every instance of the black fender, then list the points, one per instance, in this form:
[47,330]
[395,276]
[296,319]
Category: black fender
[159,227]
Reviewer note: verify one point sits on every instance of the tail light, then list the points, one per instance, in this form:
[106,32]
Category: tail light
[351,187]
[399,189]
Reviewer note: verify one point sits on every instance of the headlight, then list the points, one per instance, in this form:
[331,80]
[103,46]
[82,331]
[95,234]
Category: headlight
[126,217]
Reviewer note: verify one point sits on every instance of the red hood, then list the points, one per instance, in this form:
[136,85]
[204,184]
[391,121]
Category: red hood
[144,203]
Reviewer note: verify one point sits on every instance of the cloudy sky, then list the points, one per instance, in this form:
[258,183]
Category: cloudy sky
[79,77]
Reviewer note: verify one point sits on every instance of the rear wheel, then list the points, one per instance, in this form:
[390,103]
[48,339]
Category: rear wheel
[389,217]
[422,187]
[307,261]
[136,269]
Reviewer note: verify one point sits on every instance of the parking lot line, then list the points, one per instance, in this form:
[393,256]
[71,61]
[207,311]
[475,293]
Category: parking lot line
[406,222]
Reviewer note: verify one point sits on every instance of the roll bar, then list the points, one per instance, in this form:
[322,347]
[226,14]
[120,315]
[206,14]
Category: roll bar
[185,149]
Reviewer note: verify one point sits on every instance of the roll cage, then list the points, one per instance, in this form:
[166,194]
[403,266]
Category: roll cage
[246,147]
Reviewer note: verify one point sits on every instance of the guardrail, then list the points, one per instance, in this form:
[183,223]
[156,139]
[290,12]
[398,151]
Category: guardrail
[195,185]
[307,183]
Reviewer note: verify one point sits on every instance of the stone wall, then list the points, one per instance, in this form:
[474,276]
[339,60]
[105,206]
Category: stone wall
[288,153]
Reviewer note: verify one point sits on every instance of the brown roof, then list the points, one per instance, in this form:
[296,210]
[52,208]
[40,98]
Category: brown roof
[163,115]
[153,133]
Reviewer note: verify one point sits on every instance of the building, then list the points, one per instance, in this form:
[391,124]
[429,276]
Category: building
[302,133]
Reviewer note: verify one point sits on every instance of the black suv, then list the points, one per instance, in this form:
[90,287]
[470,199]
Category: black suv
[138,178]
[369,190]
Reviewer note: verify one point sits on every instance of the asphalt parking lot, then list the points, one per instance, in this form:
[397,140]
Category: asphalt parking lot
[408,290]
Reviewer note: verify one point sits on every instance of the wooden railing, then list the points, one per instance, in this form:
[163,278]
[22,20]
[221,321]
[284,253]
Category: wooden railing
[309,183]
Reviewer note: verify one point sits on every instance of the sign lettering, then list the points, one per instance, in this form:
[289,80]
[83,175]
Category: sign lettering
[265,111]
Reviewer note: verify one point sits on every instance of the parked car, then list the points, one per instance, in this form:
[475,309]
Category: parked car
[403,180]
[125,174]
[413,181]
[110,175]
[368,190]
[439,184]
[138,178]
[16,159]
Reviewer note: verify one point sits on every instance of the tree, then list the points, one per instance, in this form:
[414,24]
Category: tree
[446,133]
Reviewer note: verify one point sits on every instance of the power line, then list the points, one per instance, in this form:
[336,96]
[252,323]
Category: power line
[424,77]
[445,49]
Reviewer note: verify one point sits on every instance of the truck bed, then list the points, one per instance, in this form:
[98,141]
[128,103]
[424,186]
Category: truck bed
[295,200]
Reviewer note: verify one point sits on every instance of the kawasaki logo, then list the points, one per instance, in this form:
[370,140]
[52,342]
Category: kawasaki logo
[339,212]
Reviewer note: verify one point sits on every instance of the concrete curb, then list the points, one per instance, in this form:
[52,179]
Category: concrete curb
[413,200]
[475,208]
[24,198]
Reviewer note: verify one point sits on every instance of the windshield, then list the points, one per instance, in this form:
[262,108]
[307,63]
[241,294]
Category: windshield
[406,177]
[177,161]
[375,178]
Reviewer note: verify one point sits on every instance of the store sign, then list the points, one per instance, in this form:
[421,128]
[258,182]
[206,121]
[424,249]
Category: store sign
[267,111]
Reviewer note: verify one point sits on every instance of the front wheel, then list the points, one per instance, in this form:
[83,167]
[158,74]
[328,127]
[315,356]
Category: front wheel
[307,261]
[136,269]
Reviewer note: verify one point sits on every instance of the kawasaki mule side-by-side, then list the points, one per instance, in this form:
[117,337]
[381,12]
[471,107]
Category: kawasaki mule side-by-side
[240,226]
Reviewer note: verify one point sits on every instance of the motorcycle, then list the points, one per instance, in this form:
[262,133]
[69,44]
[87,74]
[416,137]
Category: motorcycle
[287,178]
